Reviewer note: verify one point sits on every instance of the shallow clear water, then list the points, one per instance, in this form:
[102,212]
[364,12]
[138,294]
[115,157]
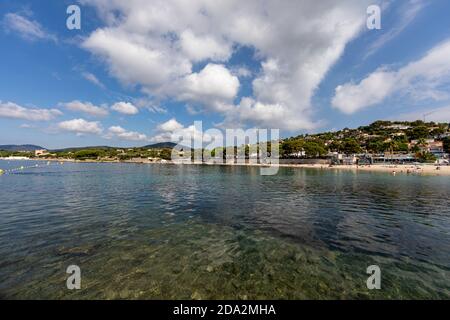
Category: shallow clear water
[182,232]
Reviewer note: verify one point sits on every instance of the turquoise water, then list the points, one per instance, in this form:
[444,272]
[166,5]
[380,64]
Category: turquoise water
[221,232]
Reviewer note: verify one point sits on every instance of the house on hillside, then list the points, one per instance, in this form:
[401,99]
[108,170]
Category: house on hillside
[41,152]
[298,154]
[396,127]
[430,145]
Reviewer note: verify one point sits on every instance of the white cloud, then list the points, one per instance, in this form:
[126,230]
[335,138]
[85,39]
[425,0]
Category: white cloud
[214,86]
[125,108]
[93,79]
[174,131]
[349,97]
[136,58]
[261,114]
[26,28]
[154,44]
[186,133]
[150,105]
[15,111]
[241,72]
[121,133]
[81,126]
[170,125]
[85,107]
[421,79]
[199,48]
[93,110]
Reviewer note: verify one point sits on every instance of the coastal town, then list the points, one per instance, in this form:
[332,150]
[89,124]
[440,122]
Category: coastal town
[225,159]
[382,142]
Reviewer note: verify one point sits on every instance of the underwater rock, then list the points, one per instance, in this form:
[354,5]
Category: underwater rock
[78,251]
[196,296]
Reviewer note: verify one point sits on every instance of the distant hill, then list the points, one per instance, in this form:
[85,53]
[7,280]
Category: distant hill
[75,149]
[30,147]
[25,147]
[160,145]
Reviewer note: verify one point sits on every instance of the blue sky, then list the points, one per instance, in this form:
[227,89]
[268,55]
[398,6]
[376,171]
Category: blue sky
[139,70]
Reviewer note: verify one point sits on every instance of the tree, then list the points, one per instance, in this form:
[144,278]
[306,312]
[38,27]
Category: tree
[292,146]
[417,123]
[420,132]
[375,146]
[247,151]
[390,146]
[88,154]
[335,146]
[166,154]
[438,131]
[426,156]
[314,149]
[401,147]
[446,142]
[351,146]
[4,153]
[422,144]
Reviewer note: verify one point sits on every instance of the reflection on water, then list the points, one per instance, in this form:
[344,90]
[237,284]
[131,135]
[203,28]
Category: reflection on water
[182,232]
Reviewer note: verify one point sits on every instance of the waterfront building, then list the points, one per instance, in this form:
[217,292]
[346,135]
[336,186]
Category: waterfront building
[41,152]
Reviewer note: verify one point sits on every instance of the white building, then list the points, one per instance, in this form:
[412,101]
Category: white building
[41,152]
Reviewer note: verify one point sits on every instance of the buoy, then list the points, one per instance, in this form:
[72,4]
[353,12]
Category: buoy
[22,167]
[48,163]
[1,172]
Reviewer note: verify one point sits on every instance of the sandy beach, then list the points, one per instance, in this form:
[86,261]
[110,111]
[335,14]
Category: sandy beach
[394,169]
[422,169]
[425,169]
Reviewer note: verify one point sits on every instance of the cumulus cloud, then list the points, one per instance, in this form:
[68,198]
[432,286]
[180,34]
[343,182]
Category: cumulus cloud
[421,79]
[174,131]
[170,125]
[85,107]
[214,86]
[81,126]
[136,58]
[15,111]
[260,114]
[121,133]
[156,44]
[26,28]
[199,48]
[125,108]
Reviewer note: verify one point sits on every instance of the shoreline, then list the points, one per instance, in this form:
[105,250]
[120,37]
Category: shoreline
[394,169]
